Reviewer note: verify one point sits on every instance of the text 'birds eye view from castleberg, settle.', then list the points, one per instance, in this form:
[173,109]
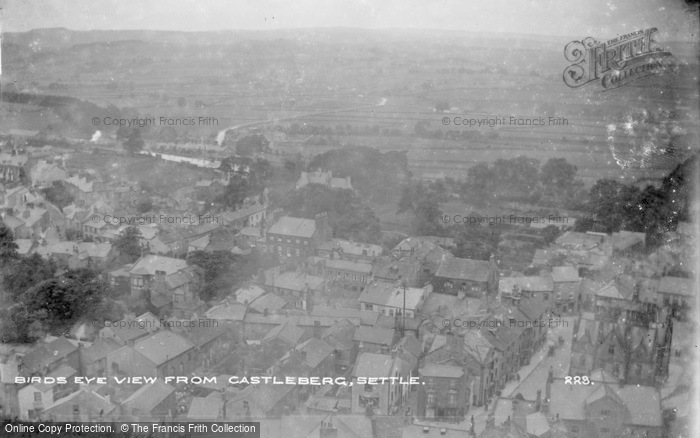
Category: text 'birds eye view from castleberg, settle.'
[349,219]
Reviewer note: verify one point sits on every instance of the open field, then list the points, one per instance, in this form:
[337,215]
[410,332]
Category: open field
[270,77]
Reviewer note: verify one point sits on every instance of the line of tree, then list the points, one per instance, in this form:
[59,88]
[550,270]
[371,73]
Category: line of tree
[523,179]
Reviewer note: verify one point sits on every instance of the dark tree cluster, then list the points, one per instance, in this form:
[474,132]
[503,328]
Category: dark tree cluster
[58,194]
[52,304]
[615,206]
[348,217]
[224,271]
[522,179]
[376,176]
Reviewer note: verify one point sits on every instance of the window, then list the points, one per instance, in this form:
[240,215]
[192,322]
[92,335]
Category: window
[431,398]
[611,349]
[429,381]
[452,397]
[298,242]
[289,240]
[37,396]
[574,429]
[369,307]
[368,387]
[546,297]
[604,412]
[306,242]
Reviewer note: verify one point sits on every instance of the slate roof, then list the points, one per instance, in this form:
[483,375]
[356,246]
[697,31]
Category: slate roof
[436,370]
[47,353]
[349,265]
[676,286]
[148,396]
[643,403]
[205,408]
[365,316]
[288,332]
[150,263]
[294,227]
[353,248]
[373,365]
[465,269]
[532,284]
[100,349]
[88,401]
[63,371]
[162,346]
[374,335]
[561,274]
[227,311]
[269,302]
[295,281]
[316,351]
[249,293]
[389,294]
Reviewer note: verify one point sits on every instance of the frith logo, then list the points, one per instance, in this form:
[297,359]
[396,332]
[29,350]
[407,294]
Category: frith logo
[616,62]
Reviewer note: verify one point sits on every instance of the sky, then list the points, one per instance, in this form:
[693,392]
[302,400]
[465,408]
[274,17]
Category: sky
[599,18]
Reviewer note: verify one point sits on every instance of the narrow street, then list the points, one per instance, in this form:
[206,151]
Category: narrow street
[533,377]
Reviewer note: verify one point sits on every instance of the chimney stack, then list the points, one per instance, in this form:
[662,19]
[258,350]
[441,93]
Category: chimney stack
[317,329]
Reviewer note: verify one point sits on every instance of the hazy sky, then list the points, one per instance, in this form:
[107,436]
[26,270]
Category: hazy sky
[600,18]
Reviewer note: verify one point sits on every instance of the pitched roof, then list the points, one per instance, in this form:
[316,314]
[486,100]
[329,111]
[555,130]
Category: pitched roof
[366,317]
[162,346]
[532,284]
[63,371]
[373,365]
[295,227]
[436,370]
[296,281]
[128,332]
[349,265]
[372,335]
[643,403]
[353,248]
[148,396]
[316,351]
[100,349]
[676,286]
[205,408]
[564,274]
[268,302]
[465,269]
[88,401]
[391,295]
[150,263]
[47,353]
[249,293]
[288,332]
[227,311]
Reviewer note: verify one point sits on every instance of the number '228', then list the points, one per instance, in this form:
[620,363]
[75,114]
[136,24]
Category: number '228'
[578,380]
